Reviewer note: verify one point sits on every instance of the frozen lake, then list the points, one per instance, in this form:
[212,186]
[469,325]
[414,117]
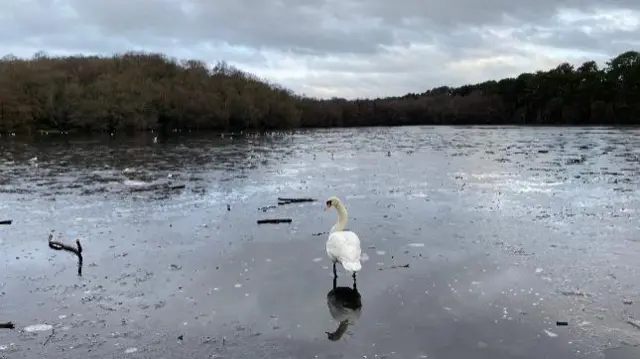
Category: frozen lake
[505,232]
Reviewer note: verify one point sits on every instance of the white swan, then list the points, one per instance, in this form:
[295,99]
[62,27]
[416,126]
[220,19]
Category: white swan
[343,246]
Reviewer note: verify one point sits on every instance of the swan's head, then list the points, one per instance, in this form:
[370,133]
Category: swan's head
[332,201]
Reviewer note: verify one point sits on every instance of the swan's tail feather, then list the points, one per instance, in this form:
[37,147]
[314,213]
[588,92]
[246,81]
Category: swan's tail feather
[352,266]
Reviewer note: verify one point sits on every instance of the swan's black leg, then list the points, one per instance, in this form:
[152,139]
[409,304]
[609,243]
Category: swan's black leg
[354,282]
[354,276]
[335,281]
[335,273]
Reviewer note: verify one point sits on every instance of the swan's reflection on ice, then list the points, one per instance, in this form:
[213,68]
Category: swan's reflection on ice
[345,306]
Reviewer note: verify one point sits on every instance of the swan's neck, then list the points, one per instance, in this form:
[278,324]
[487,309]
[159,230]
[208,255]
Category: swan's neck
[342,218]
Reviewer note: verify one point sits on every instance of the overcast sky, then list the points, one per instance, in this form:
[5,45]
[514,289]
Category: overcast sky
[344,48]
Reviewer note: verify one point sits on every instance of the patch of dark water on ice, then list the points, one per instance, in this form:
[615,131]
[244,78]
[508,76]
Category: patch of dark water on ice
[501,228]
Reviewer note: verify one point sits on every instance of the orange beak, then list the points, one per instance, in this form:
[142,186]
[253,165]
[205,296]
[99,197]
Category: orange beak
[326,208]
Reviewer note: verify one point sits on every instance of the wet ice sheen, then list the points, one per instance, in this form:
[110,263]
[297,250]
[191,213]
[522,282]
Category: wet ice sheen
[38,327]
[476,212]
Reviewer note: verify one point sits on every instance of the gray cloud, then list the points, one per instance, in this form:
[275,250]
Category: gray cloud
[285,25]
[351,47]
[323,26]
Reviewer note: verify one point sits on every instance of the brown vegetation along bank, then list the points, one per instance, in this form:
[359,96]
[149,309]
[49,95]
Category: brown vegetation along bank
[142,91]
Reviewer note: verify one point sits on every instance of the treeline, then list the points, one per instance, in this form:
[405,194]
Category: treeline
[143,91]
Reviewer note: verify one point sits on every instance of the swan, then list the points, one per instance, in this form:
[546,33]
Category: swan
[345,306]
[342,246]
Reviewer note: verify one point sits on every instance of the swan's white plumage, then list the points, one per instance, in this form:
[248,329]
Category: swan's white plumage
[343,246]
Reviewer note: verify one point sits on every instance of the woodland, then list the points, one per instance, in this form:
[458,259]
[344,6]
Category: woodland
[138,91]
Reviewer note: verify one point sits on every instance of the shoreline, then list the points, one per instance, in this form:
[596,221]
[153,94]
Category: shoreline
[178,131]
